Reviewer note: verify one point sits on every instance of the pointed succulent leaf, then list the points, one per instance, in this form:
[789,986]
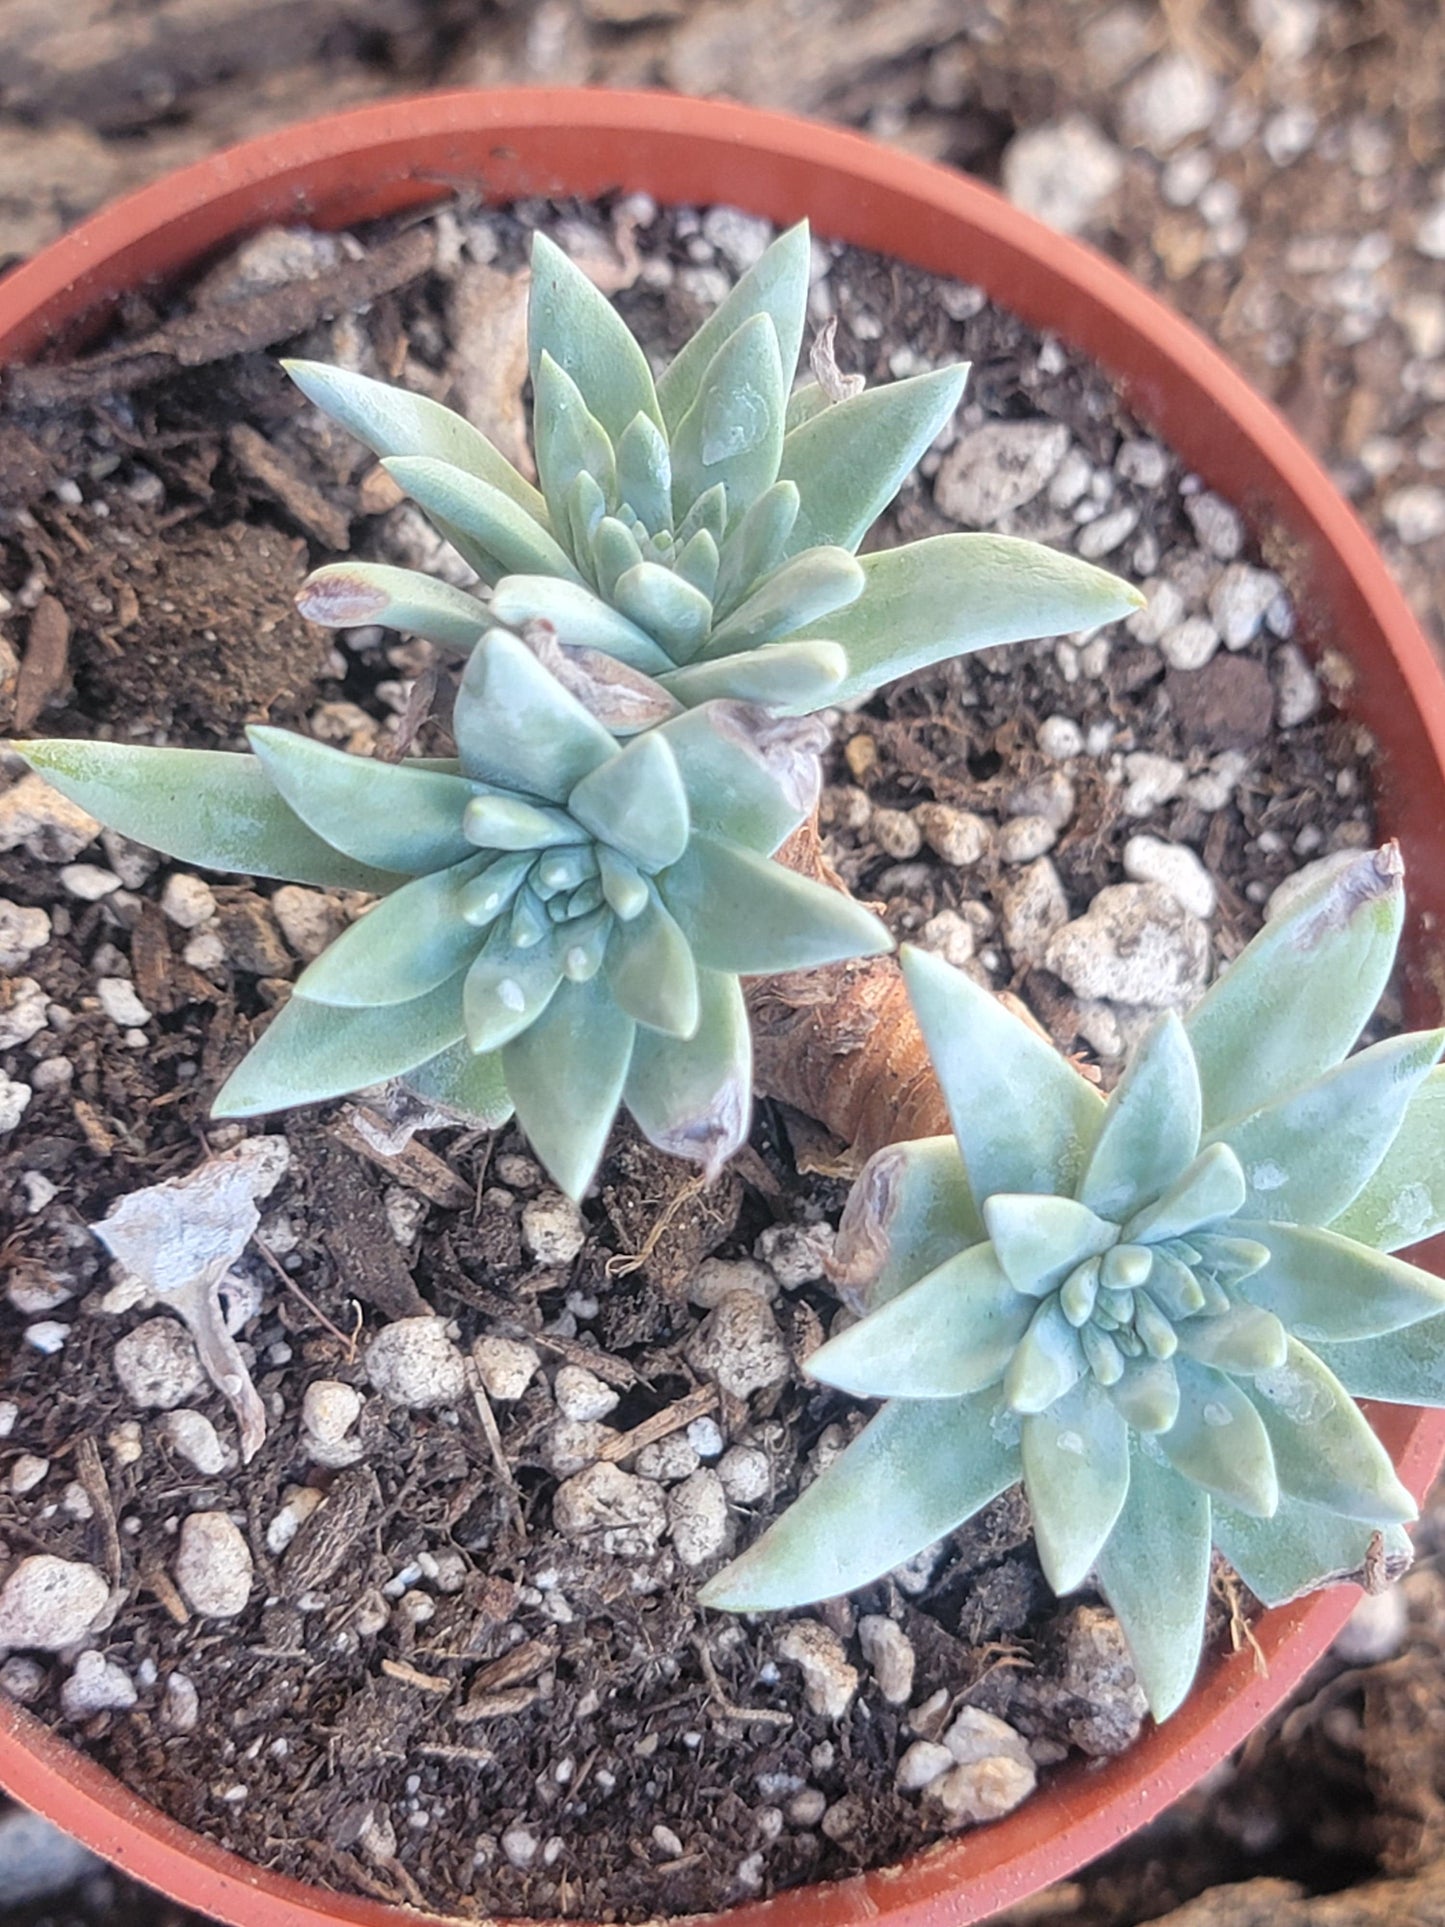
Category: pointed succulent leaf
[1076,1475]
[1402,1368]
[310,1052]
[1298,995]
[581,619]
[707,516]
[750,777]
[352,595]
[517,726]
[512,823]
[1404,1201]
[665,606]
[491,891]
[776,286]
[950,594]
[1324,1449]
[472,1086]
[582,509]
[733,432]
[614,552]
[405,945]
[697,562]
[802,591]
[1039,1240]
[1220,1442]
[950,1334]
[1242,1339]
[565,1073]
[757,545]
[652,974]
[644,473]
[1147,1394]
[1307,1155]
[623,884]
[1150,1133]
[693,1099]
[205,806]
[859,1520]
[392,421]
[797,676]
[508,988]
[1212,1188]
[392,815]
[578,327]
[807,400]
[1154,1570]
[910,1210]
[1174,1287]
[850,460]
[636,804]
[1227,1258]
[1329,1288]
[511,541]
[1301,1548]
[1048,1362]
[570,441]
[743,913]
[1024,1118]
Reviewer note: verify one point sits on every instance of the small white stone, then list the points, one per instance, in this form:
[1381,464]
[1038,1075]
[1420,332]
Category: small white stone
[1035,909]
[9,1413]
[1060,738]
[187,901]
[193,1437]
[1376,1629]
[1023,839]
[998,468]
[957,836]
[739,1346]
[667,1460]
[1062,172]
[1151,781]
[829,1682]
[697,1517]
[705,1437]
[604,1505]
[1240,600]
[96,1686]
[88,881]
[796,1254]
[742,239]
[48,1603]
[120,1003]
[718,1278]
[923,1763]
[983,1790]
[1100,538]
[300,1502]
[745,1473]
[1142,462]
[309,919]
[889,1652]
[1162,611]
[896,834]
[1216,524]
[47,1336]
[571,1445]
[205,951]
[1149,859]
[505,1366]
[1189,644]
[157,1365]
[950,935]
[329,1409]
[180,1704]
[77,1501]
[553,1229]
[1173,97]
[1430,232]
[14,1097]
[52,828]
[520,1847]
[22,1680]
[1136,944]
[22,931]
[27,1471]
[39,1191]
[1297,692]
[1417,513]
[213,1566]
[414,1363]
[23,1006]
[580,1394]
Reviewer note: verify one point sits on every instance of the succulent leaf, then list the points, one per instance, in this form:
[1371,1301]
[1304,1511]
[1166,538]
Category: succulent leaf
[1147,1394]
[1039,1240]
[1324,1450]
[850,460]
[806,589]
[798,676]
[310,1051]
[1404,1201]
[652,974]
[750,777]
[635,803]
[1076,1467]
[757,545]
[1150,1132]
[1048,1362]
[950,1334]
[660,602]
[691,1098]
[1242,1339]
[566,1072]
[747,915]
[1298,997]
[858,1520]
[808,399]
[1211,1189]
[569,320]
[494,535]
[405,945]
[393,421]
[1328,1288]
[776,286]
[1154,1569]
[909,1212]
[583,618]
[516,725]
[509,986]
[1219,1441]
[732,434]
[569,439]
[644,472]
[351,595]
[615,550]
[458,1079]
[1025,1120]
[697,562]
[205,806]
[1299,1549]
[951,594]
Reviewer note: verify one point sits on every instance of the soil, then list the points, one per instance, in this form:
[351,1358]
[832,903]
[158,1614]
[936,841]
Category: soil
[445,1698]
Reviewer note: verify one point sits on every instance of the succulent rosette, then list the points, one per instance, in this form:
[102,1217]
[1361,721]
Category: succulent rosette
[563,918]
[699,528]
[1153,1310]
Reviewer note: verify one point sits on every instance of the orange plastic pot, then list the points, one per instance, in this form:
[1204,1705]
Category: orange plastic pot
[407,153]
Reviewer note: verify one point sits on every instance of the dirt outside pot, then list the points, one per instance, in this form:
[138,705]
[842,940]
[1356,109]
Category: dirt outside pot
[379,160]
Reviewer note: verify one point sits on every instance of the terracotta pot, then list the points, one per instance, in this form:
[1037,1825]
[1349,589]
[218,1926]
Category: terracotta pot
[375,161]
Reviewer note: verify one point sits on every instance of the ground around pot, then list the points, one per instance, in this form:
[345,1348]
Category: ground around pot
[443,1622]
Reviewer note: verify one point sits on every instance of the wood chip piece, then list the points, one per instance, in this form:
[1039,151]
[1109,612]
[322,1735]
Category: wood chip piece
[515,1668]
[414,1166]
[328,1535]
[697,1404]
[412,1676]
[45,666]
[493,1706]
[302,500]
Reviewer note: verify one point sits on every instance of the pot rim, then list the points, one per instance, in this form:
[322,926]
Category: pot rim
[530,141]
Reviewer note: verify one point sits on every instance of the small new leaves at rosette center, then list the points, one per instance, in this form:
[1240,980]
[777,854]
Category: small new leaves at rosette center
[693,525]
[563,919]
[1153,1310]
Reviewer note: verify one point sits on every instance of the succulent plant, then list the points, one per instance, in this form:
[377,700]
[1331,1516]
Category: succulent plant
[700,529]
[1153,1309]
[563,918]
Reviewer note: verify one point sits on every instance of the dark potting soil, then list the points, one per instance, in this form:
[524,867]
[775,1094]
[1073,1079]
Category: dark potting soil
[435,1695]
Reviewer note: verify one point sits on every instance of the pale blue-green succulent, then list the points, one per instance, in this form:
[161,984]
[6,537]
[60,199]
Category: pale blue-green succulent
[563,919]
[699,528]
[1154,1311]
